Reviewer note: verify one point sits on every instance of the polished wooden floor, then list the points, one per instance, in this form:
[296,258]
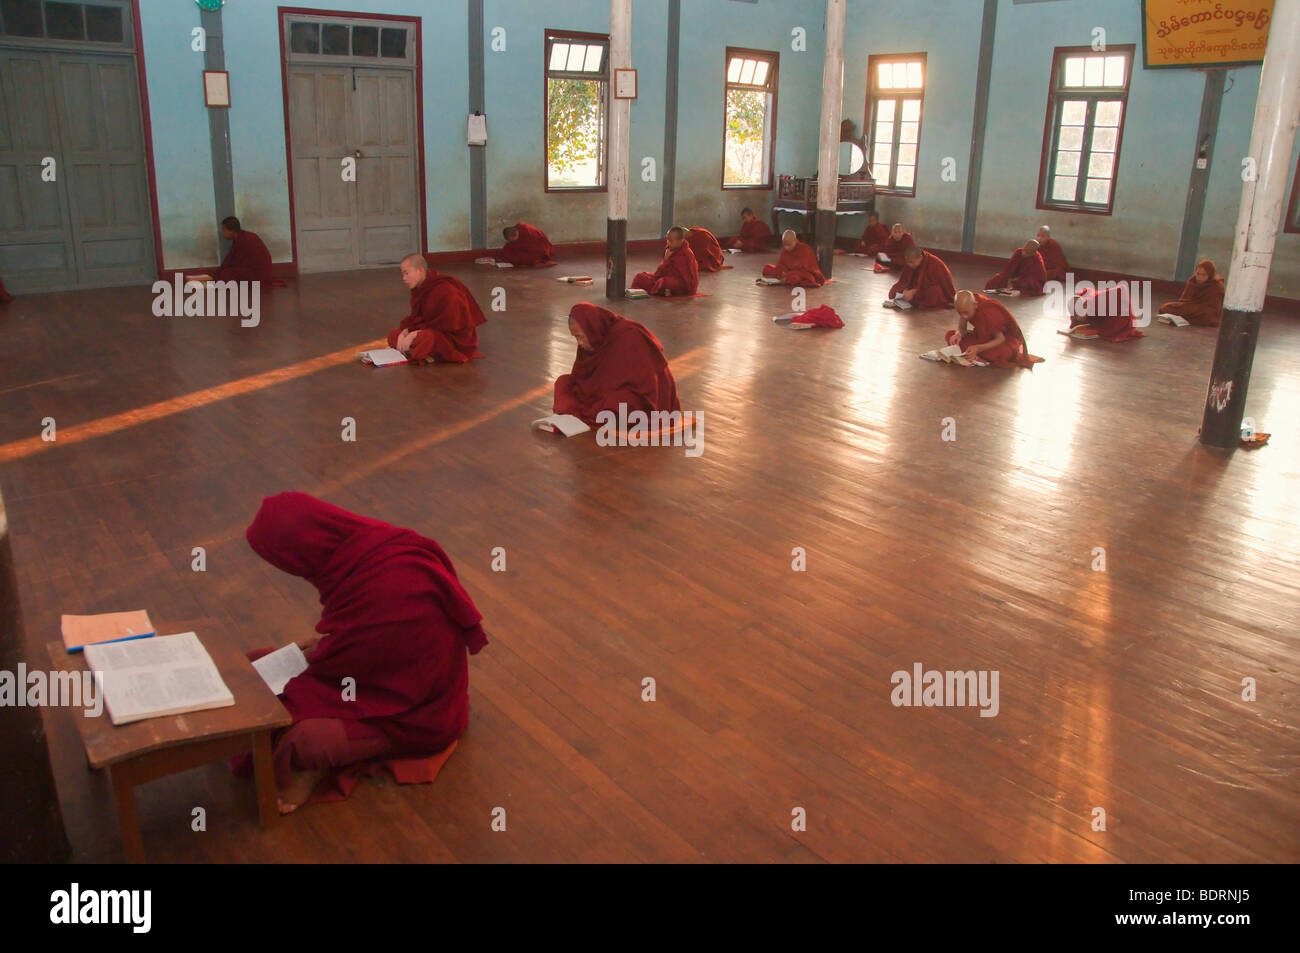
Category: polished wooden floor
[1118,689]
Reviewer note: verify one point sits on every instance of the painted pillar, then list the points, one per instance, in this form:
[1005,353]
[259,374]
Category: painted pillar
[828,158]
[620,123]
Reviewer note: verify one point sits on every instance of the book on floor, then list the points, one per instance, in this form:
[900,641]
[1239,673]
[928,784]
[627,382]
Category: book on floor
[952,354]
[278,667]
[82,630]
[1080,331]
[1176,320]
[150,678]
[732,251]
[576,279]
[764,280]
[566,424]
[786,317]
[382,357]
[485,261]
[637,293]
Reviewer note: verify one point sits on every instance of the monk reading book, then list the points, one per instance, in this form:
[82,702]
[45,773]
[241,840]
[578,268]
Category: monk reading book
[1053,256]
[526,247]
[873,238]
[797,265]
[754,234]
[395,624]
[893,256]
[986,331]
[677,274]
[1105,314]
[926,282]
[1024,272]
[1202,299]
[248,258]
[618,362]
[444,319]
[708,253]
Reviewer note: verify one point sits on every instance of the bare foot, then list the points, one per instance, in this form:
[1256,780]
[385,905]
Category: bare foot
[298,790]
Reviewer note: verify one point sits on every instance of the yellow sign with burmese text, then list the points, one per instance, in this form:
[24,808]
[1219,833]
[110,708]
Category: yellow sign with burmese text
[1192,33]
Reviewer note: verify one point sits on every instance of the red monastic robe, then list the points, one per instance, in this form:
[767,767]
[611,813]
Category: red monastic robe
[1024,273]
[708,253]
[677,274]
[1053,260]
[1116,324]
[873,239]
[1201,301]
[754,235]
[798,266]
[247,260]
[896,248]
[445,313]
[990,318]
[530,248]
[626,365]
[932,281]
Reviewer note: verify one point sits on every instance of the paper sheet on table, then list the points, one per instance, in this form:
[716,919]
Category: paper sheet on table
[281,665]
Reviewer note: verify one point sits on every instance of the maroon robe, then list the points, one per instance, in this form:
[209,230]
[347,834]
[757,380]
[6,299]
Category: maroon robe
[754,235]
[677,274]
[1023,273]
[990,318]
[1201,301]
[247,260]
[873,239]
[708,253]
[529,249]
[932,281]
[626,365]
[447,317]
[896,249]
[798,266]
[1053,260]
[1116,324]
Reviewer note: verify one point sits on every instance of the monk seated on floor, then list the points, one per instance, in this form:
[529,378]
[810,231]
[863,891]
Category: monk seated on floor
[986,331]
[395,620]
[926,282]
[526,247]
[1104,313]
[873,238]
[754,234]
[677,274]
[797,265]
[248,258]
[1053,256]
[444,319]
[708,253]
[618,362]
[1024,273]
[1202,299]
[893,256]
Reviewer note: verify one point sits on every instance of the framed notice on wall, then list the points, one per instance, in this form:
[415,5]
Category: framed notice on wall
[216,88]
[1184,34]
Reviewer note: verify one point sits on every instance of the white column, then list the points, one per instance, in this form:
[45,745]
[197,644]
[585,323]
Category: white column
[828,163]
[620,118]
[1262,200]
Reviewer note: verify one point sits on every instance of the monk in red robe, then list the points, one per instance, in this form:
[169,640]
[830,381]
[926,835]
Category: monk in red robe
[926,282]
[1202,299]
[394,619]
[677,274]
[754,233]
[1105,313]
[618,362]
[874,237]
[1024,272]
[986,331]
[5,296]
[1053,255]
[797,265]
[526,247]
[444,319]
[248,258]
[894,255]
[708,253]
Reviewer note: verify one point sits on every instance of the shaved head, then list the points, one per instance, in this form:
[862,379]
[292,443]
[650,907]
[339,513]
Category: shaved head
[415,261]
[414,270]
[913,253]
[1044,230]
[964,303]
[1031,246]
[789,233]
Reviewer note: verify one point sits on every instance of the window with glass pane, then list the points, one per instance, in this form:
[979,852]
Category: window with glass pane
[893,122]
[577,93]
[750,120]
[1088,97]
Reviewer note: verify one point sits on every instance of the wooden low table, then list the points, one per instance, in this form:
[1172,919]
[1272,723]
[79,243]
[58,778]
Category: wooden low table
[156,747]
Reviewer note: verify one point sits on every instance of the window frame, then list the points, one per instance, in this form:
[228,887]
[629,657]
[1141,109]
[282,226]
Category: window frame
[773,58]
[322,19]
[547,35]
[874,95]
[126,45]
[1051,125]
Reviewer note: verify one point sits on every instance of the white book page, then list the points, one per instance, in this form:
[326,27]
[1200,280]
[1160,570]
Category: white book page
[160,676]
[566,424]
[280,666]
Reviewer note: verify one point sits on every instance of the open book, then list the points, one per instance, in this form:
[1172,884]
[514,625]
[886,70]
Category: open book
[952,354]
[149,678]
[278,667]
[83,630]
[637,293]
[566,424]
[382,357]
[1176,320]
[1083,332]
[764,280]
[493,262]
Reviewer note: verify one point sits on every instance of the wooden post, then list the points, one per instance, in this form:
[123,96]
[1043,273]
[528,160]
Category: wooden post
[828,162]
[1262,194]
[620,121]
